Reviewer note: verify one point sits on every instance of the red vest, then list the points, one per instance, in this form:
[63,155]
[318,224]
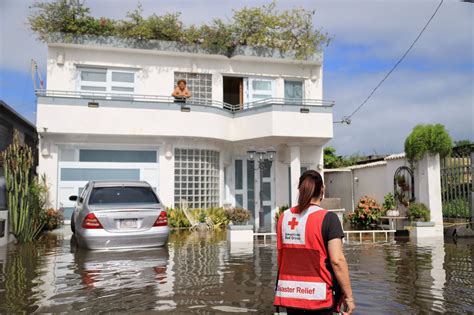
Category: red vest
[303,281]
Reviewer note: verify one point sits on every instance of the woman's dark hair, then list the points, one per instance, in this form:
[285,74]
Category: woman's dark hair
[310,186]
[182,80]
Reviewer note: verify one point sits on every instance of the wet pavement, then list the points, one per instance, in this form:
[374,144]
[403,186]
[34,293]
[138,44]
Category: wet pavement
[201,273]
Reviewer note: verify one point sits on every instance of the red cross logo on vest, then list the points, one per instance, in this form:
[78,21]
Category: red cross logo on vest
[293,223]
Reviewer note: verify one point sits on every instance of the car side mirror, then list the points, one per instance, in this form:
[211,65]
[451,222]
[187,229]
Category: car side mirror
[73,198]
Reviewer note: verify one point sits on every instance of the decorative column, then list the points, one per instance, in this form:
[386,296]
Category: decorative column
[428,182]
[295,163]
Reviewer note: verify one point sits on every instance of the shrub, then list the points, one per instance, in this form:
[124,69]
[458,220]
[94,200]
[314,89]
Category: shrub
[177,218]
[53,219]
[457,208]
[367,212]
[237,215]
[433,139]
[388,202]
[417,211]
[280,210]
[218,217]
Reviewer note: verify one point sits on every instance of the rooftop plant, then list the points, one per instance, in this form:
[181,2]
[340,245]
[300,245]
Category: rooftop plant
[265,26]
[432,139]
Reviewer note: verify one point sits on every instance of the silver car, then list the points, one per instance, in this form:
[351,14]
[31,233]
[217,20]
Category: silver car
[125,214]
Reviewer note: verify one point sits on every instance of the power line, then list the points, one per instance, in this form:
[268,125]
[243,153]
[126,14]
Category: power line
[347,119]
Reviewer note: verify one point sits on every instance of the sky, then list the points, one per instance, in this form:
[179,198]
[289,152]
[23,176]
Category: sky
[434,84]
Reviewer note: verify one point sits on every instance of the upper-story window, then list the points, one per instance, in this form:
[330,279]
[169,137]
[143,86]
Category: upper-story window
[293,90]
[257,89]
[199,84]
[106,80]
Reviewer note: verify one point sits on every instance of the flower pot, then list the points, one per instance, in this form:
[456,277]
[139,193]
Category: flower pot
[240,223]
[393,213]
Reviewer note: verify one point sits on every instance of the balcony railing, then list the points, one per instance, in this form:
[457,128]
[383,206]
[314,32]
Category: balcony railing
[193,101]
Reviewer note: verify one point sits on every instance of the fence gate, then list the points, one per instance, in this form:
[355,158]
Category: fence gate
[456,183]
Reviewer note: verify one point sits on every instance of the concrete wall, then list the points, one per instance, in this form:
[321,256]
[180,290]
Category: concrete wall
[376,180]
[339,185]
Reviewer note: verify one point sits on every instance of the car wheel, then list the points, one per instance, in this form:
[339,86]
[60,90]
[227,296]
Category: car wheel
[73,225]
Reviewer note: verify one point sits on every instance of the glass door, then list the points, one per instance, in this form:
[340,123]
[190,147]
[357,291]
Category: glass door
[258,89]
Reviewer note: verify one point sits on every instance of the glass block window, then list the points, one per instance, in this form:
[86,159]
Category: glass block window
[196,178]
[199,84]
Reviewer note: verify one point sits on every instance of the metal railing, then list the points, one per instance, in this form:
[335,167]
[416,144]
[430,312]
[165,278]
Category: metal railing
[192,101]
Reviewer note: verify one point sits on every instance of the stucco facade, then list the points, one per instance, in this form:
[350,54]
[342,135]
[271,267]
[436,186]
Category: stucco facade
[194,152]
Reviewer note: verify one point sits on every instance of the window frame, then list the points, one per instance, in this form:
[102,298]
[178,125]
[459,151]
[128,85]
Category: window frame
[109,84]
[293,81]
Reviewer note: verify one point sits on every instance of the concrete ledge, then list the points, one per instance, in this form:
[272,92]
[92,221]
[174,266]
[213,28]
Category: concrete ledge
[240,227]
[423,224]
[426,231]
[240,233]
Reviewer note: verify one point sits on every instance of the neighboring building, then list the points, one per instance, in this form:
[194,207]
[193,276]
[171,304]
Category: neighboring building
[107,114]
[9,121]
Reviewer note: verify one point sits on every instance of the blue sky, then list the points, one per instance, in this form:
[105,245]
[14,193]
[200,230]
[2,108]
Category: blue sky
[434,84]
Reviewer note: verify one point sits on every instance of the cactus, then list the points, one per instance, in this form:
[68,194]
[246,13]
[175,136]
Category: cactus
[17,159]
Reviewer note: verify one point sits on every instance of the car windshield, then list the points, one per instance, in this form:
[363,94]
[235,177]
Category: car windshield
[116,195]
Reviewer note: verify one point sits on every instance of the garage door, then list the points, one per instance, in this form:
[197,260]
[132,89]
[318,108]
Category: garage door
[77,166]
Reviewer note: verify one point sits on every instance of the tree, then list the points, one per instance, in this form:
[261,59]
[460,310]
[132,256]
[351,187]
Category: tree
[432,139]
[331,160]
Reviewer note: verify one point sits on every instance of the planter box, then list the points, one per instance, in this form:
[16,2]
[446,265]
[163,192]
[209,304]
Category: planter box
[426,230]
[240,233]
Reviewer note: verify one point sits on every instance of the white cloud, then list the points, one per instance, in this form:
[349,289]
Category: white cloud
[408,98]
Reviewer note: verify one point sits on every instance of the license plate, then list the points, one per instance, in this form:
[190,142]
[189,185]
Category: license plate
[128,224]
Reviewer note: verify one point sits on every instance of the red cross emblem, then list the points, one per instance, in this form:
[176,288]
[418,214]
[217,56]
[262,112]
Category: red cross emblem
[293,223]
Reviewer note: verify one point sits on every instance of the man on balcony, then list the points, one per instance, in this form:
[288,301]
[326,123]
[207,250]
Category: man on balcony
[181,92]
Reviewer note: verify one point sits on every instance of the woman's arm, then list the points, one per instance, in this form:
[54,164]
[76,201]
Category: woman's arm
[341,271]
[176,93]
[186,93]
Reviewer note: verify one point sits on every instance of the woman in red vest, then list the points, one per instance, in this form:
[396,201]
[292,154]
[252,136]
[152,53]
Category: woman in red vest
[312,269]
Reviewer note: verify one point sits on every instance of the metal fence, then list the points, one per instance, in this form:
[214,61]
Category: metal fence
[456,183]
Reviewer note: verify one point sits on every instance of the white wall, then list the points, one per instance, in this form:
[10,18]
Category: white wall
[376,180]
[80,119]
[371,182]
[155,70]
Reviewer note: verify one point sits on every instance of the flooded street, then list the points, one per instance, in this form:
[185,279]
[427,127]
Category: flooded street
[201,273]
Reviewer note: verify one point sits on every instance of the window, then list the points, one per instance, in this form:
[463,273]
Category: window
[196,178]
[258,89]
[126,195]
[87,174]
[105,80]
[199,84]
[128,156]
[293,91]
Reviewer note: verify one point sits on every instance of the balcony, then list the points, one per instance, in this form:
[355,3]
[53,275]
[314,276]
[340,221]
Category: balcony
[152,115]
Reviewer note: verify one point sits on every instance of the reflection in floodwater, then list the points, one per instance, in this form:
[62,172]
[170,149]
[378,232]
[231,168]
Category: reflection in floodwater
[201,273]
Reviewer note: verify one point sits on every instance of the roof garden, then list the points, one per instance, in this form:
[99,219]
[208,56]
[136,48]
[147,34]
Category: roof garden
[252,31]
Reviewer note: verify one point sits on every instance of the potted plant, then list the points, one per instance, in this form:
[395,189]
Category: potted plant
[366,214]
[238,216]
[418,212]
[239,231]
[389,205]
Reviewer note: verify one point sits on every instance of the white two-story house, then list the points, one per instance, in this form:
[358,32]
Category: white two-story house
[107,113]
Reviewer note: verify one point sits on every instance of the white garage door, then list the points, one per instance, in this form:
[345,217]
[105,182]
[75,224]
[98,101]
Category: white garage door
[77,166]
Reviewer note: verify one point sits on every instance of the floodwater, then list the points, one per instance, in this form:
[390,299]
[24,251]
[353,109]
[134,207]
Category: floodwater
[201,273]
